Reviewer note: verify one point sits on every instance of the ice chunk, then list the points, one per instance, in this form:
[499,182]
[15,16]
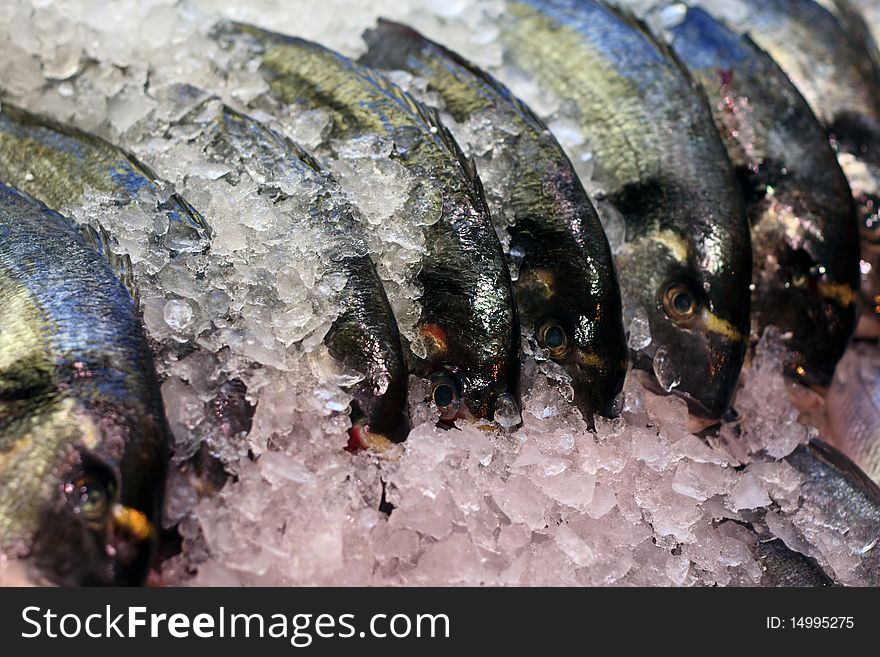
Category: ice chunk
[749,493]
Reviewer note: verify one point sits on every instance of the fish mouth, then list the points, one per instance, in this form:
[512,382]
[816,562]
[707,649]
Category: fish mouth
[700,416]
[597,385]
[797,369]
[70,552]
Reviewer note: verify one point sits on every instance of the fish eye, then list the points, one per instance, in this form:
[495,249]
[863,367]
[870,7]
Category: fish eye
[680,302]
[446,396]
[553,337]
[92,493]
[800,279]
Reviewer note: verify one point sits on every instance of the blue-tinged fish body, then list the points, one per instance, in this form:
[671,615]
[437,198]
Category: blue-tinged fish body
[468,322]
[805,237]
[83,437]
[566,289]
[686,260]
[60,165]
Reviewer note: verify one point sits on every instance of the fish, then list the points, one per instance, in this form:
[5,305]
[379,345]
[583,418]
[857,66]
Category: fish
[805,239]
[839,76]
[83,436]
[60,165]
[852,407]
[835,492]
[468,321]
[686,259]
[365,336]
[566,286]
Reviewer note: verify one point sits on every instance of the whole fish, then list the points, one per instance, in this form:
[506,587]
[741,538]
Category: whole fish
[468,321]
[686,260]
[364,337]
[566,287]
[805,239]
[83,437]
[60,165]
[853,407]
[838,76]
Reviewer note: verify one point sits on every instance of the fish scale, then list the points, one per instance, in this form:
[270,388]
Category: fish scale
[60,165]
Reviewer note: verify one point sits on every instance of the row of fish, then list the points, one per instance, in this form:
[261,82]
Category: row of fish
[736,214]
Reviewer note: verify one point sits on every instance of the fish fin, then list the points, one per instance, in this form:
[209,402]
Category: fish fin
[283,141]
[386,28]
[430,119]
[100,240]
[305,157]
[640,25]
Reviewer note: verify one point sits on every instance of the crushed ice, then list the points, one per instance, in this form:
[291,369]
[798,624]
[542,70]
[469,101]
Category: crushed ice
[237,331]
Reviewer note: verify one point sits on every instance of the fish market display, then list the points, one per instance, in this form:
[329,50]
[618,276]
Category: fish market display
[468,331]
[686,256]
[383,341]
[82,431]
[564,278]
[805,238]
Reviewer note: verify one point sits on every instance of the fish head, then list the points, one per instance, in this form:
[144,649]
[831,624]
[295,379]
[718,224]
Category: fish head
[579,328]
[85,503]
[697,304]
[472,366]
[460,394]
[804,283]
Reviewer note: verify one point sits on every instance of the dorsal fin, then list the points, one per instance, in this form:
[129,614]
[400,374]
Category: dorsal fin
[426,116]
[100,240]
[628,17]
[285,142]
[430,118]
